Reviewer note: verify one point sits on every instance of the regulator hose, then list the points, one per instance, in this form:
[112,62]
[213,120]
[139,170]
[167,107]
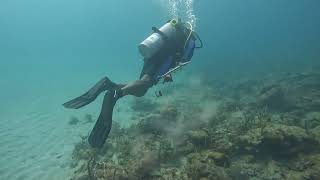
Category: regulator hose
[198,37]
[192,32]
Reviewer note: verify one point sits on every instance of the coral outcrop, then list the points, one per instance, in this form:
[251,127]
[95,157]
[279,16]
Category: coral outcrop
[264,129]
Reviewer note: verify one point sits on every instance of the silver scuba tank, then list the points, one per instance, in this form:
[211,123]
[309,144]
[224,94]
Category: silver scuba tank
[156,40]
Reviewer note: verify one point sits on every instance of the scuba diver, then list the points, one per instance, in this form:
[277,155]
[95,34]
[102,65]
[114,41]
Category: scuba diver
[165,50]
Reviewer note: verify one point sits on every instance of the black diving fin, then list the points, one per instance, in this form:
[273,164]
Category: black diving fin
[88,97]
[103,125]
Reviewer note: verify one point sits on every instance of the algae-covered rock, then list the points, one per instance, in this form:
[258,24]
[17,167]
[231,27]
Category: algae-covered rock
[251,140]
[246,168]
[299,91]
[198,137]
[287,140]
[219,158]
[274,98]
[243,171]
[304,167]
[312,120]
[314,170]
[208,156]
[315,132]
[277,140]
[168,173]
[201,165]
[185,148]
[223,142]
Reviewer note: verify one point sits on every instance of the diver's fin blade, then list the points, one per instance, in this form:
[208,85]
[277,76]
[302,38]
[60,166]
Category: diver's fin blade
[85,99]
[103,125]
[78,102]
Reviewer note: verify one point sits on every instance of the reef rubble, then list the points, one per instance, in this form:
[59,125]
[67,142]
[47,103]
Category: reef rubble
[259,129]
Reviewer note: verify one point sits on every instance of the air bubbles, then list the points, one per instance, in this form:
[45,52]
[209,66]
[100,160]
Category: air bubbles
[181,9]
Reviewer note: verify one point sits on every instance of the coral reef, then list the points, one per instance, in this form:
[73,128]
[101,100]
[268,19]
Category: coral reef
[298,91]
[259,129]
[278,140]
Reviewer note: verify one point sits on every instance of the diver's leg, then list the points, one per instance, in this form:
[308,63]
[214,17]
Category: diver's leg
[139,87]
